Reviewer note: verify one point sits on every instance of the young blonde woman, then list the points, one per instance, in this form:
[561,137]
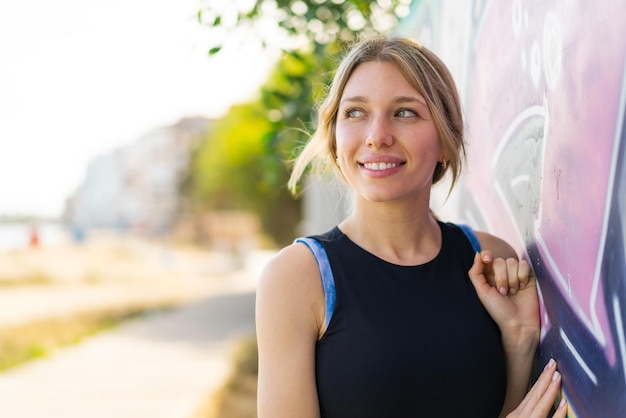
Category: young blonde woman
[394,313]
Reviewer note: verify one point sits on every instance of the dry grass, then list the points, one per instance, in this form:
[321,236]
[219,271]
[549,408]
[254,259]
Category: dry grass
[22,343]
[36,278]
[108,258]
[237,398]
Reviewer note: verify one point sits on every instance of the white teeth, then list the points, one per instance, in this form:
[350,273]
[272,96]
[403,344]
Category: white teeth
[380,166]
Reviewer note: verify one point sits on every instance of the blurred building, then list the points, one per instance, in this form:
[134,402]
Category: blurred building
[137,187]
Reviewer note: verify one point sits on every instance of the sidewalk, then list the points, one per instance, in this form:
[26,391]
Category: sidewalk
[161,366]
[104,275]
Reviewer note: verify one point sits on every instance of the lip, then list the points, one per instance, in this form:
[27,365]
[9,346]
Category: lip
[381,159]
[377,173]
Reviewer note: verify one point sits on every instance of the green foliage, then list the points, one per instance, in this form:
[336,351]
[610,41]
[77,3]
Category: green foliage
[214,50]
[225,170]
[242,162]
[313,22]
[240,165]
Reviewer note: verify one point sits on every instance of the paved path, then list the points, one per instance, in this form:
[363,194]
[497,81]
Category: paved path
[161,366]
[135,279]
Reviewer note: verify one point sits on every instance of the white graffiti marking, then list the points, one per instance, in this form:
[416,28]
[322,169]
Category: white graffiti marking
[578,358]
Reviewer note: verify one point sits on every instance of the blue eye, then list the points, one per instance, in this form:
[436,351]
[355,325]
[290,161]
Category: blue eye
[406,113]
[353,113]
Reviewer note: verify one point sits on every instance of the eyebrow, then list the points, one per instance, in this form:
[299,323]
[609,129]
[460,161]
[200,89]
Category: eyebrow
[398,99]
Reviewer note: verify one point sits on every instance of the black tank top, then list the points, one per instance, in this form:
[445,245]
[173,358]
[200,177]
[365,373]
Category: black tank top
[408,341]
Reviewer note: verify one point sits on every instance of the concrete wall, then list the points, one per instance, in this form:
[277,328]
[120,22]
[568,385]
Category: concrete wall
[542,83]
[326,202]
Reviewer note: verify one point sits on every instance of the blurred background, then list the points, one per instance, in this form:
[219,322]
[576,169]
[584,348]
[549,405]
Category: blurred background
[144,149]
[142,182]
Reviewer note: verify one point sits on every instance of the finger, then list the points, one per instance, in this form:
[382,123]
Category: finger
[542,396]
[487,258]
[488,295]
[541,385]
[477,274]
[482,263]
[524,274]
[478,268]
[561,410]
[501,276]
[512,268]
[549,396]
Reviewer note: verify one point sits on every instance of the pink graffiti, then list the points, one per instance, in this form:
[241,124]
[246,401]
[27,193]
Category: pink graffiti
[536,60]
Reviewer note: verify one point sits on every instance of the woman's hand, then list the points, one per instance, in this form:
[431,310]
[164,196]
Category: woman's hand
[507,289]
[542,396]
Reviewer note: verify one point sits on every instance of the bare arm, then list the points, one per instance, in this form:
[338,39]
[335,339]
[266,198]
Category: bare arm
[507,289]
[289,313]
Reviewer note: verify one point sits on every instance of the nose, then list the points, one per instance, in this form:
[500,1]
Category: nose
[379,133]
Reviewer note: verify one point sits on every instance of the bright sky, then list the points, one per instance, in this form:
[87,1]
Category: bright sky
[81,77]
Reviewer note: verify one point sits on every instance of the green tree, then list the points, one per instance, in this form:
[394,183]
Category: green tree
[305,23]
[242,163]
[225,167]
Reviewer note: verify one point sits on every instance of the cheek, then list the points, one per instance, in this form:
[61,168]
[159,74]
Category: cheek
[342,139]
[428,151]
[431,144]
[348,135]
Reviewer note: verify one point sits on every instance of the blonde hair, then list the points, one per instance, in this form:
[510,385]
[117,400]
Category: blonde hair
[424,71]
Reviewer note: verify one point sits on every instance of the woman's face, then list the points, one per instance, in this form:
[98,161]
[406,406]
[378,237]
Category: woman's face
[387,142]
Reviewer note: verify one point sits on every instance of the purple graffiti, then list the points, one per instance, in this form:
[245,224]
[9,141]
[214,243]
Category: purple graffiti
[544,91]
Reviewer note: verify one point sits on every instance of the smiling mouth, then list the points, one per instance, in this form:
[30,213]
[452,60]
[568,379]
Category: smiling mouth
[381,166]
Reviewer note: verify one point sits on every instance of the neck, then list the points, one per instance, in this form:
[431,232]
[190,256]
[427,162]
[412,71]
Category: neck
[399,233]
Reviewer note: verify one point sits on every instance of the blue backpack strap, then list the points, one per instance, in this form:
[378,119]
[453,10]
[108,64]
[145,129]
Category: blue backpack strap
[328,281]
[471,236]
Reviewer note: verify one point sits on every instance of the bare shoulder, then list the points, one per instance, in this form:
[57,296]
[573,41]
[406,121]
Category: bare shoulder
[292,266]
[290,284]
[499,248]
[289,314]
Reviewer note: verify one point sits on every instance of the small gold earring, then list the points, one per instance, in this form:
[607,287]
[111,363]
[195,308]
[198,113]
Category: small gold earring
[444,164]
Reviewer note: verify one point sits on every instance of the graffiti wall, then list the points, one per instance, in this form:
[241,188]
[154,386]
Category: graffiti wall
[543,85]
